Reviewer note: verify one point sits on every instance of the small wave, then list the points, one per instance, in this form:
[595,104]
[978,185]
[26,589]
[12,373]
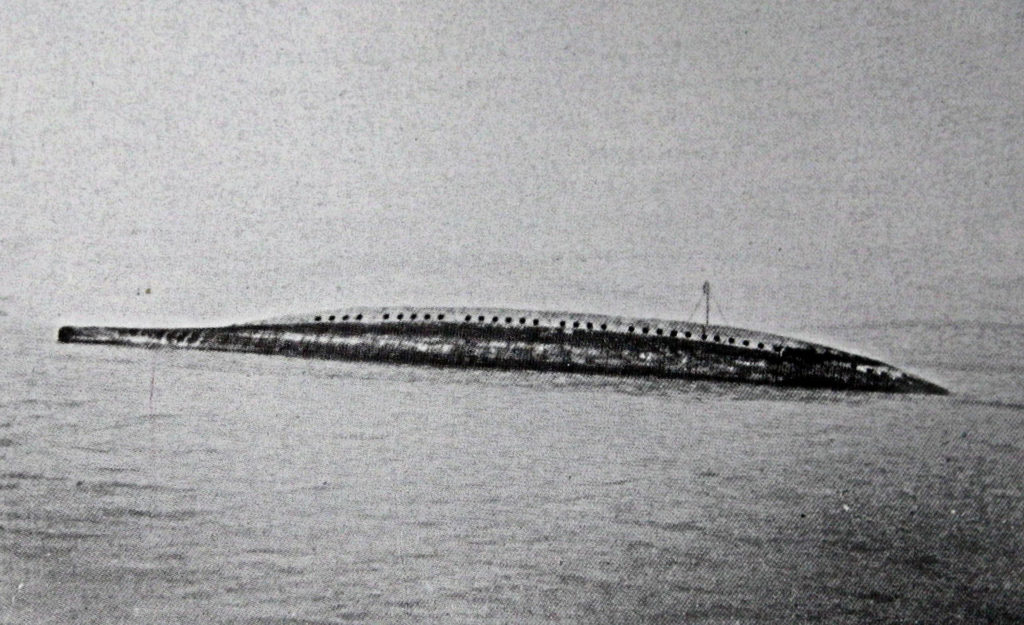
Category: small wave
[405,604]
[117,470]
[130,422]
[286,620]
[47,551]
[172,515]
[271,567]
[50,403]
[273,551]
[680,527]
[22,475]
[117,360]
[363,437]
[95,450]
[110,486]
[989,403]
[56,535]
[617,482]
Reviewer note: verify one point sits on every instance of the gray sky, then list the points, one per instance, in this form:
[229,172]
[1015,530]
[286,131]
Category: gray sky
[820,163]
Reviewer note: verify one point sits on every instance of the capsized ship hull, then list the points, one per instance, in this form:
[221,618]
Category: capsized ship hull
[520,339]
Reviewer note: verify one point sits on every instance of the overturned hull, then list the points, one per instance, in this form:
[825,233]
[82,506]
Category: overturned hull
[516,339]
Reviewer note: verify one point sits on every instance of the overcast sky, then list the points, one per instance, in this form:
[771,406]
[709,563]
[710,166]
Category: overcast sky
[819,162]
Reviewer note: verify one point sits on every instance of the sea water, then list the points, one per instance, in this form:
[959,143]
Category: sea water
[169,486]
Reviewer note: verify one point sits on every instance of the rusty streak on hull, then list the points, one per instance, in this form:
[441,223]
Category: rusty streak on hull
[513,339]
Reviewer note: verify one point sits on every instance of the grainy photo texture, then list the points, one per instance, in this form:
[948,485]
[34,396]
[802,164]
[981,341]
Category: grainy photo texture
[511,312]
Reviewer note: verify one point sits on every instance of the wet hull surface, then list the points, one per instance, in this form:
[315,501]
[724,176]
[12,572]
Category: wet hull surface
[626,353]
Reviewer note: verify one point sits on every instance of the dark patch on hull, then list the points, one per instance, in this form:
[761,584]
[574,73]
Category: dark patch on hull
[526,347]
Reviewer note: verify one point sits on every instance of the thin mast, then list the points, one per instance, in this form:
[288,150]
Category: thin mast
[707,305]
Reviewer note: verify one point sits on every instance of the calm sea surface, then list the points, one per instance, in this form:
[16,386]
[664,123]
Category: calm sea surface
[186,487]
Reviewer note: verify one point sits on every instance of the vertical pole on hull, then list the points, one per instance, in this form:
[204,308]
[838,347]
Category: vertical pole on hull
[707,305]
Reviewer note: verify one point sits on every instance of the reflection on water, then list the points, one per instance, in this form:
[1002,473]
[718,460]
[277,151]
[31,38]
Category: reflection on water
[272,490]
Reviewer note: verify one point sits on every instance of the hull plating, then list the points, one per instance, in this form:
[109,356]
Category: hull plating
[517,340]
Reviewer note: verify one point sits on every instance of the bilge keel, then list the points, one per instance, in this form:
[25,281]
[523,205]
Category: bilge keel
[521,339]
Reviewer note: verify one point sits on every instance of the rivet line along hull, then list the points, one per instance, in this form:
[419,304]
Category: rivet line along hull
[515,339]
